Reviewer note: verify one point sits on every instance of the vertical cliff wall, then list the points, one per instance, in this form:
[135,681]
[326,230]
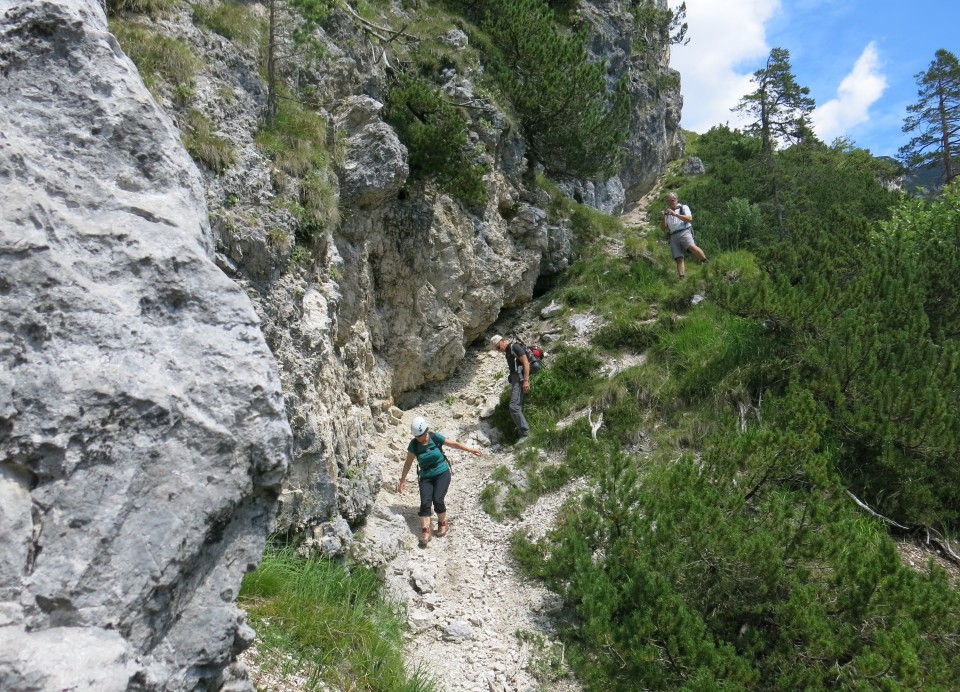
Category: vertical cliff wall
[641,56]
[143,438]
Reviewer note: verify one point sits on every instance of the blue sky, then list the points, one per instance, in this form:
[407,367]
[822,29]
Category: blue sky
[858,57]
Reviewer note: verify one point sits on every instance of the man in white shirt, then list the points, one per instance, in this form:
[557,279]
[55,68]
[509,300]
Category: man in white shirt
[677,220]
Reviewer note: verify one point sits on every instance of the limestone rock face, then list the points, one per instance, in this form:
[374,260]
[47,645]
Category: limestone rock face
[389,293]
[143,438]
[694,166]
[655,136]
[145,432]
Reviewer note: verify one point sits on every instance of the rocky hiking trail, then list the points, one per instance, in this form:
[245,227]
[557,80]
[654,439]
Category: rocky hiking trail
[475,622]
[466,601]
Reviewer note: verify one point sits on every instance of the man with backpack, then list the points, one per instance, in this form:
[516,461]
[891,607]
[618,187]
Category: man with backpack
[518,369]
[677,221]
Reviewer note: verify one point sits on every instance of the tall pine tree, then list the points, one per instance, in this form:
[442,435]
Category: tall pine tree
[935,118]
[780,105]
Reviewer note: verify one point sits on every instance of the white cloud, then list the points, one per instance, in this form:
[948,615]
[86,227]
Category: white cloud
[723,34]
[857,92]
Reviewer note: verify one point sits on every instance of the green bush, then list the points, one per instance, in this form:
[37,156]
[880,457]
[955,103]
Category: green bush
[756,576]
[566,382]
[436,137]
[737,224]
[855,332]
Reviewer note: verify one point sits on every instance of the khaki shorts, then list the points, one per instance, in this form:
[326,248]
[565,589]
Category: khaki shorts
[680,242]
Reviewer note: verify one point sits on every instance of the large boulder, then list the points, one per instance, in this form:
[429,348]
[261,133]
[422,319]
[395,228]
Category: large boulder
[375,166]
[143,439]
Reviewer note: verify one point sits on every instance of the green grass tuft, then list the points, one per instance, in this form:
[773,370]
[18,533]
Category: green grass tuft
[333,620]
[213,151]
[232,20]
[157,57]
[303,154]
[150,7]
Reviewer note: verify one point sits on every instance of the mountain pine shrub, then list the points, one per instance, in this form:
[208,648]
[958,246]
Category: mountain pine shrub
[746,568]
[435,134]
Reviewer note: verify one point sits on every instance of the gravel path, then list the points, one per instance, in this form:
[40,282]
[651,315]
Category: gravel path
[466,601]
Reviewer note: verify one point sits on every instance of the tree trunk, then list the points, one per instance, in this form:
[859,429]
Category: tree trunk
[271,68]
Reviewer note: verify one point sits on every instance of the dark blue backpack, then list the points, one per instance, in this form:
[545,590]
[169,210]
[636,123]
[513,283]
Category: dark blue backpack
[535,356]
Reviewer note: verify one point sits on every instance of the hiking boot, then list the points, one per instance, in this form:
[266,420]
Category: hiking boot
[442,527]
[425,535]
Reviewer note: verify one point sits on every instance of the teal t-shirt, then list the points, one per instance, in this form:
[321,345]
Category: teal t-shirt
[430,458]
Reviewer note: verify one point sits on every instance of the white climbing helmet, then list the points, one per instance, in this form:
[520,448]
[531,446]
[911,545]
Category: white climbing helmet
[419,426]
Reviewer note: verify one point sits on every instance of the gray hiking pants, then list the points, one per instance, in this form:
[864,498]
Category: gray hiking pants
[516,408]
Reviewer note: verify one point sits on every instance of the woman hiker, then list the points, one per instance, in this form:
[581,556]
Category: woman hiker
[433,473]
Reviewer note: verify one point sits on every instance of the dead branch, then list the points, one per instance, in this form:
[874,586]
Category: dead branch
[931,536]
[940,542]
[375,30]
[470,104]
[594,427]
[885,520]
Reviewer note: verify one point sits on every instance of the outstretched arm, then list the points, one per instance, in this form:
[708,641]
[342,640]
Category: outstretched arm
[457,445]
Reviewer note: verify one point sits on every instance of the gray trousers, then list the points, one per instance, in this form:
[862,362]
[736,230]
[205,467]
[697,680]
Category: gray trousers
[516,408]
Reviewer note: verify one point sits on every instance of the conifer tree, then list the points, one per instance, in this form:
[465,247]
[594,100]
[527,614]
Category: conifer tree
[935,118]
[780,105]
[573,121]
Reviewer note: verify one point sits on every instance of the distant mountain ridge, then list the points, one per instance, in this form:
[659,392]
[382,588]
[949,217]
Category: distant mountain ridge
[929,178]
